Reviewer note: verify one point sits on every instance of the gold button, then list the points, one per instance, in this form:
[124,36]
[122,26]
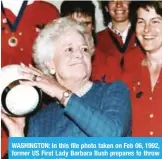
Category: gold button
[151,115]
[150,98]
[151,133]
[21,49]
[20,33]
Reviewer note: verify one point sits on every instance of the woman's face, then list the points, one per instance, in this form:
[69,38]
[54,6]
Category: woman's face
[118,10]
[72,59]
[149,29]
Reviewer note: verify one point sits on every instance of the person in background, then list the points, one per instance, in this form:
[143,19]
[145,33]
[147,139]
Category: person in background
[115,40]
[21,21]
[84,12]
[118,37]
[19,29]
[81,11]
[63,52]
[143,71]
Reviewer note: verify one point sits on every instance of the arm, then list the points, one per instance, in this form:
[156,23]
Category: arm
[112,118]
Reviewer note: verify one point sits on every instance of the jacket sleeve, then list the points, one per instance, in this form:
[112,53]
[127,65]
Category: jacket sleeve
[112,118]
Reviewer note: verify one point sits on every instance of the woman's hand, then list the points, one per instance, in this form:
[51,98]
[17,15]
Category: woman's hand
[46,83]
[15,125]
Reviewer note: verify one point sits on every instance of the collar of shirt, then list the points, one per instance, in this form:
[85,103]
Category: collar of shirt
[145,62]
[81,92]
[123,34]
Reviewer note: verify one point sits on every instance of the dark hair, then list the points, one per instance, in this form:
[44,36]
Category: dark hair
[84,7]
[145,5]
[107,16]
[152,4]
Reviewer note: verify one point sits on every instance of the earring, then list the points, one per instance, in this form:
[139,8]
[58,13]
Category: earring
[52,71]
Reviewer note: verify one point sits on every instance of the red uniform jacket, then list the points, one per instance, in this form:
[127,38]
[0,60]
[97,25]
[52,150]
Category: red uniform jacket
[34,17]
[111,44]
[107,69]
[146,105]
[110,50]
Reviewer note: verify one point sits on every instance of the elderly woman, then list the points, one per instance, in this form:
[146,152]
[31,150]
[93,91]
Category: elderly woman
[63,52]
[143,71]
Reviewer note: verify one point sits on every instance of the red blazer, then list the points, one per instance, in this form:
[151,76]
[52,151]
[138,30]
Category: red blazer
[107,69]
[34,17]
[146,105]
[108,59]
[111,44]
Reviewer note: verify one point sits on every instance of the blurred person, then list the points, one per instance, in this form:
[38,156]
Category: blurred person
[20,26]
[63,52]
[81,11]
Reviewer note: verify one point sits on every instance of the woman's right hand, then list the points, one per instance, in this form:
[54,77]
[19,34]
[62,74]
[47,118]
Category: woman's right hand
[46,83]
[15,125]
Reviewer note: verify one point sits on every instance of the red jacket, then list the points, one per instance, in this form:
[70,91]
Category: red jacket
[34,17]
[146,105]
[111,44]
[107,69]
[108,58]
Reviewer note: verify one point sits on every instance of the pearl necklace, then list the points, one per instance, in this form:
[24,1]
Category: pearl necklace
[81,92]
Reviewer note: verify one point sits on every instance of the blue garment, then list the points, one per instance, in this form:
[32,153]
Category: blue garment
[105,110]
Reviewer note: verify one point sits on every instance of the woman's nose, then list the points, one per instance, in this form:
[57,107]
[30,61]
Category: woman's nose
[119,3]
[147,28]
[78,53]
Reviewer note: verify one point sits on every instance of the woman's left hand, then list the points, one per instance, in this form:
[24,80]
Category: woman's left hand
[46,83]
[15,125]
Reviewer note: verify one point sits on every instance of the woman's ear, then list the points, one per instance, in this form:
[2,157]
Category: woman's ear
[51,66]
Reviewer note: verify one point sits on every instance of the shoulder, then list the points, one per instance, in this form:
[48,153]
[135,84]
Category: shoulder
[117,86]
[133,60]
[102,33]
[44,6]
[135,53]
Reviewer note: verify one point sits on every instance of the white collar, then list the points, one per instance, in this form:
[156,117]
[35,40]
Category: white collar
[123,34]
[81,92]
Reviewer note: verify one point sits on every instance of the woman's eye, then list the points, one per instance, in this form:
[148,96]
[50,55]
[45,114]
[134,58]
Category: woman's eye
[85,49]
[70,49]
[155,22]
[139,22]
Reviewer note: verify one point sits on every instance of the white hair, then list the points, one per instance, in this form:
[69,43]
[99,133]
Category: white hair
[44,46]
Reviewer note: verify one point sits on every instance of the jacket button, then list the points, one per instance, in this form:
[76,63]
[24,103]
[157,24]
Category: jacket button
[151,133]
[150,98]
[151,116]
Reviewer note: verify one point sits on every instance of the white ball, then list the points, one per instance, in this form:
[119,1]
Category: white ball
[19,99]
[22,99]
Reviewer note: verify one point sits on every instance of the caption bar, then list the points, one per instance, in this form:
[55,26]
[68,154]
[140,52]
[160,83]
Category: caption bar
[92,147]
